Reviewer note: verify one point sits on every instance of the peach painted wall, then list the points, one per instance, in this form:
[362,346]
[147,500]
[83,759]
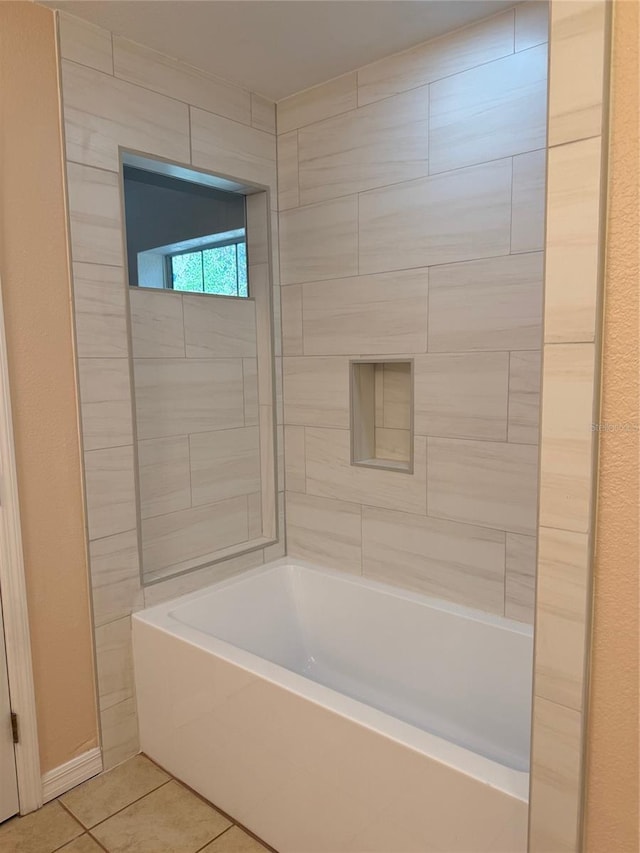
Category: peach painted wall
[612,821]
[36,291]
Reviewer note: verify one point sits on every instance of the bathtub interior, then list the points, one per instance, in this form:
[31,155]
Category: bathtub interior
[450,671]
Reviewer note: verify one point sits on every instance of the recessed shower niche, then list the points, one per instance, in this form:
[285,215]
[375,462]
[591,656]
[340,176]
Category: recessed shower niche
[202,365]
[382,414]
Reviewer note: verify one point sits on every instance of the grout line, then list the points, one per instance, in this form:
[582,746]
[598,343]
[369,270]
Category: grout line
[133,802]
[215,837]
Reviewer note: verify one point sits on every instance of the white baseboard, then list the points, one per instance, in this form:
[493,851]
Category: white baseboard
[61,779]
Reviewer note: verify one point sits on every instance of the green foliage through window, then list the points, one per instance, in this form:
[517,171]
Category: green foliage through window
[221,270]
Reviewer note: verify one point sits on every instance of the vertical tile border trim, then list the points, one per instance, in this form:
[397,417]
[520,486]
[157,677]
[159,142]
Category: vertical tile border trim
[539,822]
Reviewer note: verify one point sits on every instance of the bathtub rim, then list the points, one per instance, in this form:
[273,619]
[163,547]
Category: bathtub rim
[511,782]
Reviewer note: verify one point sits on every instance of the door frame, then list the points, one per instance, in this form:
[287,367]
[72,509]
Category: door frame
[14,602]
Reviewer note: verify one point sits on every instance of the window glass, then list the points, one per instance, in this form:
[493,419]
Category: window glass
[220,270]
[186,272]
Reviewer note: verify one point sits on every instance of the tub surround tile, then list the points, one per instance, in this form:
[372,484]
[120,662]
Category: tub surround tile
[110,491]
[115,577]
[372,146]
[291,305]
[288,195]
[295,475]
[324,531]
[103,796]
[94,215]
[383,313]
[486,483]
[101,320]
[492,304]
[182,396]
[567,436]
[85,43]
[224,464]
[115,662]
[444,218]
[393,444]
[219,328]
[157,327]
[576,105]
[462,395]
[102,113]
[532,24]
[524,396]
[250,390]
[452,53]
[492,111]
[528,202]
[328,99]
[42,831]
[182,539]
[105,392]
[319,241]
[331,475]
[316,391]
[119,731]
[573,222]
[164,475]
[153,70]
[232,149]
[555,778]
[254,515]
[560,627]
[520,580]
[396,397]
[263,113]
[444,559]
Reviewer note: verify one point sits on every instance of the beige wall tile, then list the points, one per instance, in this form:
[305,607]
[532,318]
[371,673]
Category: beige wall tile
[85,43]
[436,220]
[462,395]
[493,304]
[250,390]
[327,532]
[384,313]
[288,170]
[532,23]
[119,733]
[181,396]
[495,110]
[567,436]
[100,311]
[433,60]
[375,145]
[316,391]
[164,475]
[153,70]
[555,778]
[115,577]
[157,329]
[102,113]
[263,113]
[219,327]
[185,536]
[319,241]
[105,392]
[291,306]
[454,561]
[114,662]
[573,222]
[394,444]
[295,475]
[328,99]
[483,482]
[575,104]
[224,464]
[257,216]
[110,491]
[520,579]
[330,474]
[231,149]
[396,395]
[528,201]
[94,216]
[254,515]
[563,581]
[524,396]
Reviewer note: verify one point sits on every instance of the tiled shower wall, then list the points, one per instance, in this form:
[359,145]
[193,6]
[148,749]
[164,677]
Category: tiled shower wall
[120,94]
[411,207]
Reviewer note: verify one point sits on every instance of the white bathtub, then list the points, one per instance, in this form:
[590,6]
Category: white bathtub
[329,713]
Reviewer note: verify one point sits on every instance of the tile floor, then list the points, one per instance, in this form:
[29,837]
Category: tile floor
[134,808]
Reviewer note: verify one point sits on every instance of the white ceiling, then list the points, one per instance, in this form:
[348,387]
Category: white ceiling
[278,47]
